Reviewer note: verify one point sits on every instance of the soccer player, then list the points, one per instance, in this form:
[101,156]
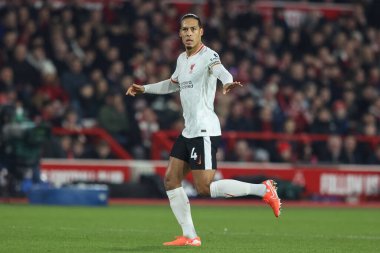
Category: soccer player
[195,77]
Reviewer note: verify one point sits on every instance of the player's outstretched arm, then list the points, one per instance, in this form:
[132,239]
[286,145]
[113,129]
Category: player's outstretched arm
[164,87]
[220,72]
[135,89]
[230,86]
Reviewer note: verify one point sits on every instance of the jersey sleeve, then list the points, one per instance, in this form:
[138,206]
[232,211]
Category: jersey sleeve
[174,77]
[213,60]
[163,87]
[220,72]
[217,69]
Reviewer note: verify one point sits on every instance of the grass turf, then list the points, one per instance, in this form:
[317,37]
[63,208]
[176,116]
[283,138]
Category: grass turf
[25,228]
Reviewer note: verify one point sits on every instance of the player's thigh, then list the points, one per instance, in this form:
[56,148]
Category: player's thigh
[175,173]
[202,180]
[203,162]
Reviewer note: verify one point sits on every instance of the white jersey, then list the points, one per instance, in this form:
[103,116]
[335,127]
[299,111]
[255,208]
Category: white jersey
[197,91]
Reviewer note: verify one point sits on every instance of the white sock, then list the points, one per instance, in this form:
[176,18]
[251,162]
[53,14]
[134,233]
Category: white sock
[179,202]
[232,188]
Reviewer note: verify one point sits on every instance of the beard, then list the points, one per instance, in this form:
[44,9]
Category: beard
[189,47]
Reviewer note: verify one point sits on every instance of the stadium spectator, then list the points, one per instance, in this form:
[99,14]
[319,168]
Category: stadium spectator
[323,124]
[6,79]
[79,148]
[369,130]
[285,153]
[24,73]
[101,151]
[298,110]
[71,120]
[237,121]
[306,153]
[351,154]
[375,156]
[49,89]
[87,100]
[148,124]
[340,118]
[73,80]
[101,91]
[66,147]
[113,117]
[242,152]
[332,152]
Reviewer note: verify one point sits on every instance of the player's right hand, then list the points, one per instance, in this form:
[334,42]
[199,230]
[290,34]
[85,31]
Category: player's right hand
[134,90]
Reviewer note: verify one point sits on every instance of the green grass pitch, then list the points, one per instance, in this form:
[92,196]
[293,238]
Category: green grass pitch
[124,228]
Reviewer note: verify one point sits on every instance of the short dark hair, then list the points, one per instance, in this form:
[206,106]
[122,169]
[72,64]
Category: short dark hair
[191,15]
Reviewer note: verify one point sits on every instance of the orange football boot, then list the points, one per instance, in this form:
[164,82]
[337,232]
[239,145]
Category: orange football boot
[184,241]
[271,197]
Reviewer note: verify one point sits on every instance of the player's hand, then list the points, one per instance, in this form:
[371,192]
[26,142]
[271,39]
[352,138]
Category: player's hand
[229,86]
[135,89]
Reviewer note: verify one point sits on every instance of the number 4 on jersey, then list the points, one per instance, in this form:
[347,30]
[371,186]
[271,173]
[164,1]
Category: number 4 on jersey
[193,154]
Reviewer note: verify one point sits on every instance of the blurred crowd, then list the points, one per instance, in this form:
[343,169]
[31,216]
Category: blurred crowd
[70,67]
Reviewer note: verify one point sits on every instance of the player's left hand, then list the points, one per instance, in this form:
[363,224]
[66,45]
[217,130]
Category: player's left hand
[229,86]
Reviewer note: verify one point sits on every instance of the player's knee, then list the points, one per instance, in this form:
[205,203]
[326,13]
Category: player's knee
[203,190]
[171,183]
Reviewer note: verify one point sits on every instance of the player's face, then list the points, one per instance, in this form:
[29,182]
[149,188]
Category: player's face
[190,33]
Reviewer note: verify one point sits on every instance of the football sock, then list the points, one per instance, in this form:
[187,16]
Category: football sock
[232,188]
[179,202]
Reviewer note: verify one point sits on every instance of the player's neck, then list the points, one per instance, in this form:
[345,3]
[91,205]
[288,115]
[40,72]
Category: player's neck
[194,50]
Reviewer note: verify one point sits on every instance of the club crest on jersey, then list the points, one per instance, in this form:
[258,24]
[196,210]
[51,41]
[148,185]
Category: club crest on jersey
[191,68]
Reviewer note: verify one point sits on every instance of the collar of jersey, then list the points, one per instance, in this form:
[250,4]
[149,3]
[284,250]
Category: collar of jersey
[200,48]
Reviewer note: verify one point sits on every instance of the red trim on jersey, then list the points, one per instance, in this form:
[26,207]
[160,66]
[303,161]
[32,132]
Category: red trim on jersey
[202,46]
[173,80]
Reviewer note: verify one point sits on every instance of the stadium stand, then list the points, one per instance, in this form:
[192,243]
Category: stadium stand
[68,65]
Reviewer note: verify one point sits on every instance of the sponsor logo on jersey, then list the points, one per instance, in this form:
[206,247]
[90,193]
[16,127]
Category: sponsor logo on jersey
[215,60]
[186,85]
[216,57]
